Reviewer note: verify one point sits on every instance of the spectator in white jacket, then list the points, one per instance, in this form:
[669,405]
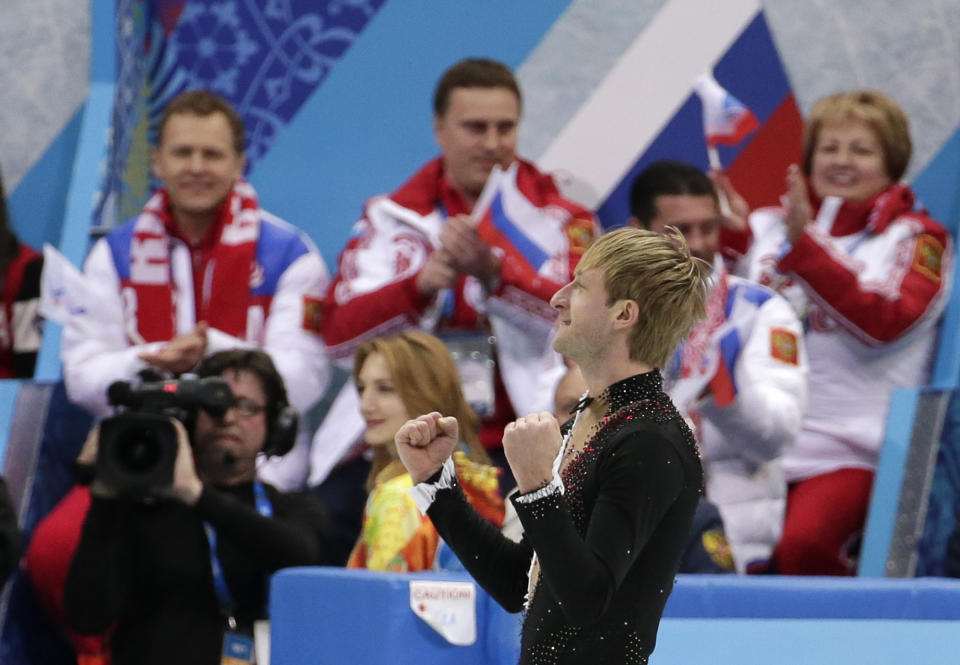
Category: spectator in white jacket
[741,375]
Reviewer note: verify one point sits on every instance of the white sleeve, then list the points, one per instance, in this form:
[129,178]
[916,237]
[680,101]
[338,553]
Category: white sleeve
[771,395]
[529,366]
[299,354]
[288,473]
[341,429]
[95,353]
[424,493]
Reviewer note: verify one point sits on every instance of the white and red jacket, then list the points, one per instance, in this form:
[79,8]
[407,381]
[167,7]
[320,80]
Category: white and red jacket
[374,293]
[869,281]
[286,284]
[741,376]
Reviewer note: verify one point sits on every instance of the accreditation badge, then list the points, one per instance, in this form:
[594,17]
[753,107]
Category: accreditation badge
[237,649]
[473,355]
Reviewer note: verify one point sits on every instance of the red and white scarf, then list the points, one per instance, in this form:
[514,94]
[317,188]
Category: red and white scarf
[226,290]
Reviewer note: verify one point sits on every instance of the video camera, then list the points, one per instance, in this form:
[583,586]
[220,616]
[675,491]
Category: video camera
[138,446]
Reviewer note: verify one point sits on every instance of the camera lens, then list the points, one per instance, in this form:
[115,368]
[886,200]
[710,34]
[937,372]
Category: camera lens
[141,452]
[137,453]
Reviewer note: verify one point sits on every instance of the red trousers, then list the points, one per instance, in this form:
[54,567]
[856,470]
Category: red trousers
[825,515]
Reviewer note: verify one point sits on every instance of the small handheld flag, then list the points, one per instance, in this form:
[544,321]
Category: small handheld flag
[69,296]
[726,121]
[505,218]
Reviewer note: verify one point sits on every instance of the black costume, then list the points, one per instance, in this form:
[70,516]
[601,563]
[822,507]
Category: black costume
[608,547]
[146,568]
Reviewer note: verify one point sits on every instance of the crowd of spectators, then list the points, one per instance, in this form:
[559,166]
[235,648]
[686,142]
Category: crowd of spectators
[817,311]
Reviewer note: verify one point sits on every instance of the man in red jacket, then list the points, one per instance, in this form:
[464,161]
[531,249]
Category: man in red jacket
[480,276]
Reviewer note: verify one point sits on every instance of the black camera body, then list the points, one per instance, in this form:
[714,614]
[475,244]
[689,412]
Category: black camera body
[138,446]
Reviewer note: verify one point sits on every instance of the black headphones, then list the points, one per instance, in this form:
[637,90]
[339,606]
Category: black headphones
[281,431]
[282,419]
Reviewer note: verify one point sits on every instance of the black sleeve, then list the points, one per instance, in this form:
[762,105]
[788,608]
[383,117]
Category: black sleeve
[11,540]
[101,571]
[27,324]
[638,480]
[289,538]
[497,563]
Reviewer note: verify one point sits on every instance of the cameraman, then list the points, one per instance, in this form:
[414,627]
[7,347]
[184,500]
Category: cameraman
[180,576]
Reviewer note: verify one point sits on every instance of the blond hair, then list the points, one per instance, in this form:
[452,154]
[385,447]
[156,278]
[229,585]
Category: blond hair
[426,379]
[656,271]
[874,109]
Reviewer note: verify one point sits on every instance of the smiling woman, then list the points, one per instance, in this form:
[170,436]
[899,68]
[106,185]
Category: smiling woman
[412,373]
[848,161]
[865,270]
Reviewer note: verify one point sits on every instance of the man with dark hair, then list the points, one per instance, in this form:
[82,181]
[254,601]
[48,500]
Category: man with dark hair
[203,268]
[473,73]
[741,375]
[421,258]
[670,178]
[182,578]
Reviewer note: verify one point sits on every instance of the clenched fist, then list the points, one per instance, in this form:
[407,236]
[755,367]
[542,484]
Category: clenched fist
[531,444]
[425,443]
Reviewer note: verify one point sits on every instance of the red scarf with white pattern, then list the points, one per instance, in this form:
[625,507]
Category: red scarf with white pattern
[225,291]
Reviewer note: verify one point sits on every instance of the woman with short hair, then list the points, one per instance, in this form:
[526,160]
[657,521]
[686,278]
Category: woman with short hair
[869,274]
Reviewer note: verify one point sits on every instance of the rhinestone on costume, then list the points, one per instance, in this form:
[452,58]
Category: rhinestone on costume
[639,397]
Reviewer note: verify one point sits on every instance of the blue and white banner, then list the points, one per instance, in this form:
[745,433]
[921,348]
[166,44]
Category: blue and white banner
[265,57]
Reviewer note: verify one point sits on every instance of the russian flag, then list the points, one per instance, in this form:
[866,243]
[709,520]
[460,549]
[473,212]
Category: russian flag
[686,375]
[722,385]
[508,220]
[639,114]
[726,121]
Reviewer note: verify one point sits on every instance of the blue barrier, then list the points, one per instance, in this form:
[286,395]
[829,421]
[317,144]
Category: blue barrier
[331,615]
[784,597]
[885,497]
[804,642]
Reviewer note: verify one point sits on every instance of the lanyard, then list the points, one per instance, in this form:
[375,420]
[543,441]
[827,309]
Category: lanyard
[219,581]
[448,309]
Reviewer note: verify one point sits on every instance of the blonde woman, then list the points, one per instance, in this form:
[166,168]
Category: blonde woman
[397,378]
[868,272]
